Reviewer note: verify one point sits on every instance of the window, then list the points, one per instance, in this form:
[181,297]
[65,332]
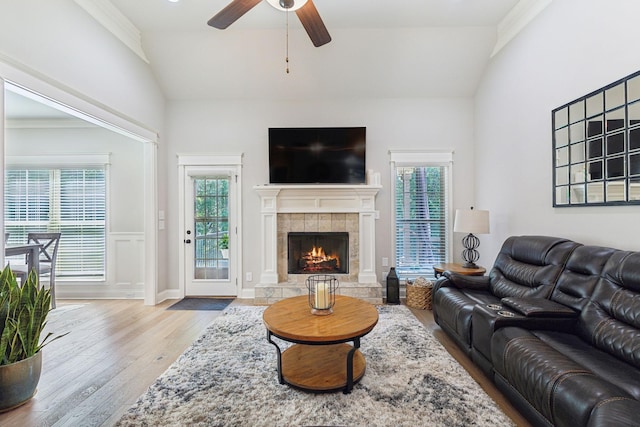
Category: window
[71,201]
[421,212]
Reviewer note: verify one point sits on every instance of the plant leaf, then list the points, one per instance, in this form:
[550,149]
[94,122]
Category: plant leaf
[23,316]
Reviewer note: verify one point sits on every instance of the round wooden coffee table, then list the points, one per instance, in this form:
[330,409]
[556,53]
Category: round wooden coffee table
[320,359]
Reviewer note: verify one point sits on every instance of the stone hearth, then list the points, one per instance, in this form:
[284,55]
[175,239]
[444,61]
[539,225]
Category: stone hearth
[317,208]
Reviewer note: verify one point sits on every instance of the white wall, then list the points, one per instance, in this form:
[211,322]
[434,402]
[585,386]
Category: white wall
[58,39]
[125,230]
[58,43]
[125,174]
[242,126]
[572,48]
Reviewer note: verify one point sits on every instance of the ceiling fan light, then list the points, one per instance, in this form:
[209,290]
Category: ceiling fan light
[297,4]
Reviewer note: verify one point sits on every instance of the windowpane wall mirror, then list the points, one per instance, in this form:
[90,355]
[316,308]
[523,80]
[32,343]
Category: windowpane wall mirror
[596,147]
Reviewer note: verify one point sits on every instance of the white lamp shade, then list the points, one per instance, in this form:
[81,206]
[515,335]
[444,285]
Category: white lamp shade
[471,221]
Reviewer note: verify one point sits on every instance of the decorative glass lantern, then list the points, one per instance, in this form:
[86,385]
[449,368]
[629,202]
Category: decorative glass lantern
[322,293]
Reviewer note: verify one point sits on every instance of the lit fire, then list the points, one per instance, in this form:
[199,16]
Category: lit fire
[317,259]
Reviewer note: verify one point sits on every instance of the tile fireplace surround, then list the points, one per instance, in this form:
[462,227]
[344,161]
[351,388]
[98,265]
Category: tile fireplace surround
[317,208]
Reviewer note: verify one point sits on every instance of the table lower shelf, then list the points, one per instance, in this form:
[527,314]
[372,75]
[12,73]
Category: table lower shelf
[320,367]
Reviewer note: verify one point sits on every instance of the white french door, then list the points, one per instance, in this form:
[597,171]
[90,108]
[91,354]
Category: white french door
[210,231]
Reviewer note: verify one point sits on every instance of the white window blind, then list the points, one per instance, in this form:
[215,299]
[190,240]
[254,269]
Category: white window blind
[71,201]
[421,216]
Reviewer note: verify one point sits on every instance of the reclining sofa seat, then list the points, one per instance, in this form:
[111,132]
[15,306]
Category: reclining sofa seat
[573,288]
[526,266]
[588,376]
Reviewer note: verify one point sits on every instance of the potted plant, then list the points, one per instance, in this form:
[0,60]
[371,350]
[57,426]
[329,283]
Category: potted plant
[223,244]
[23,315]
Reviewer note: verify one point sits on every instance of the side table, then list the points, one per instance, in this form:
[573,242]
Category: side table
[457,268]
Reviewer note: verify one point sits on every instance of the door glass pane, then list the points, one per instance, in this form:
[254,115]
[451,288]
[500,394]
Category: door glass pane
[211,216]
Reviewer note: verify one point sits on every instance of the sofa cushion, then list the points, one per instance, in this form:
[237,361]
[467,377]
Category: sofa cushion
[528,266]
[611,319]
[580,275]
[552,376]
[599,362]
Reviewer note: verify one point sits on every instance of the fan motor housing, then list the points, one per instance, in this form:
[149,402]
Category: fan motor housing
[287,4]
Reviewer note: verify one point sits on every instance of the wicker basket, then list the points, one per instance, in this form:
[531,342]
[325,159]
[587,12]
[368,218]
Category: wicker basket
[419,294]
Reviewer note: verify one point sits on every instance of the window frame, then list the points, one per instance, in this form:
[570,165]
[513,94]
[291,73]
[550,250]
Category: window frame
[421,158]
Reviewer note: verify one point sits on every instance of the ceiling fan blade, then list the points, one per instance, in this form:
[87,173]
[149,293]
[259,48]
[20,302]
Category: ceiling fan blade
[232,13]
[312,23]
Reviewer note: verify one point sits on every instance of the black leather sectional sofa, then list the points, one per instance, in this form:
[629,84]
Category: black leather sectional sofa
[556,325]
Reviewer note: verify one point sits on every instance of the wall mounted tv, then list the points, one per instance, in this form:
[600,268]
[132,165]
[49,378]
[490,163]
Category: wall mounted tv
[317,155]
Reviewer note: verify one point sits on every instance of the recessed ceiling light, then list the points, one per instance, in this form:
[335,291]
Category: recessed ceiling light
[174,1]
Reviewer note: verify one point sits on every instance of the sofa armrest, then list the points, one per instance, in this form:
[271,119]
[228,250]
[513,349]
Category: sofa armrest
[479,283]
[538,307]
[488,318]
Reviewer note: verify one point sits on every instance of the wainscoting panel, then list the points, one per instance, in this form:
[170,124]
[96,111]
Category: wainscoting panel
[125,260]
[125,272]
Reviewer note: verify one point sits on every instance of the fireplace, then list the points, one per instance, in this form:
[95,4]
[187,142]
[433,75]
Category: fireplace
[293,208]
[318,252]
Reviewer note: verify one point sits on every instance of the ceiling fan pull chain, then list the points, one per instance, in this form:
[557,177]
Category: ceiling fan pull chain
[287,51]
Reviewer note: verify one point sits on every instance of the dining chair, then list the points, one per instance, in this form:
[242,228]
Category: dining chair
[48,256]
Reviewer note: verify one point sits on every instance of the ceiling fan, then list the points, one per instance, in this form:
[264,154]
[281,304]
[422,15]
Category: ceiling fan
[305,9]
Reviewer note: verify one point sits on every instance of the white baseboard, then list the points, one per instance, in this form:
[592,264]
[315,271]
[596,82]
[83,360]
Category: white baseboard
[97,291]
[247,293]
[167,294]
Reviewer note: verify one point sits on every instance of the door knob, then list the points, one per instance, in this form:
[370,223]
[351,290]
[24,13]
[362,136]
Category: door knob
[187,241]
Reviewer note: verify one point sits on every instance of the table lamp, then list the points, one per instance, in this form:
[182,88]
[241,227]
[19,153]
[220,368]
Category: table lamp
[471,221]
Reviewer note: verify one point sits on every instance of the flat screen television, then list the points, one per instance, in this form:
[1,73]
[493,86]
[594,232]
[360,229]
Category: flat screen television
[317,155]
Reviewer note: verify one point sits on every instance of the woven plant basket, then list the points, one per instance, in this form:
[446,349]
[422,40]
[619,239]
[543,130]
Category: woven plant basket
[419,294]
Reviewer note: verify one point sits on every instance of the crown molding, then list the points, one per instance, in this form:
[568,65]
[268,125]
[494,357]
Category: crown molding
[115,22]
[515,21]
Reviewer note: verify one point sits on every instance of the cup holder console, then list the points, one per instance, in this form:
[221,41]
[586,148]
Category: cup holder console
[505,313]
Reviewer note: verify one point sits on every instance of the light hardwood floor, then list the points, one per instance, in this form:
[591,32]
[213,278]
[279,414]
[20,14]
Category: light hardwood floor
[117,348]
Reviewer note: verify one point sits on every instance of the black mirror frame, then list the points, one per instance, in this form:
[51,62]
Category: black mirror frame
[596,147]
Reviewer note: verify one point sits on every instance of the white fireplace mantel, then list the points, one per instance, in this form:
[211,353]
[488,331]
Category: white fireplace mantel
[317,198]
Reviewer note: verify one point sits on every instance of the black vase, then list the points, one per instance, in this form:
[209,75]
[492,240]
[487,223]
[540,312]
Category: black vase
[393,287]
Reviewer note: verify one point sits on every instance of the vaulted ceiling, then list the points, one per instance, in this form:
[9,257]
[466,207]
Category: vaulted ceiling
[382,49]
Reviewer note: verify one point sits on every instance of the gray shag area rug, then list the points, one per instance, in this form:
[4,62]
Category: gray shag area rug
[228,377]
